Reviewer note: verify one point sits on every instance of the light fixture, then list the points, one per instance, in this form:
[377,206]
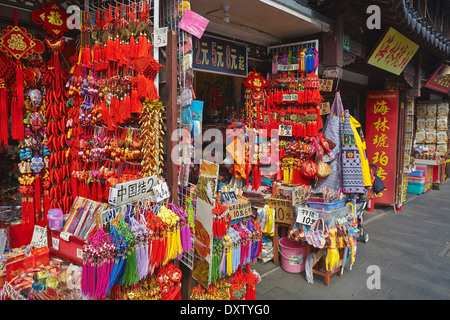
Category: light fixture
[226,13]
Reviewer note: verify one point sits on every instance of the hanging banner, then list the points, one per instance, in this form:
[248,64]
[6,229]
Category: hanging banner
[219,56]
[393,52]
[438,83]
[206,190]
[381,139]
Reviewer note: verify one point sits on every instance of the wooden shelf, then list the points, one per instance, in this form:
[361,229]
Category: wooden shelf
[429,162]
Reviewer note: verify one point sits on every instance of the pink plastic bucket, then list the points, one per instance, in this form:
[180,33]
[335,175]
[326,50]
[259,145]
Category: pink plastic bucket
[293,255]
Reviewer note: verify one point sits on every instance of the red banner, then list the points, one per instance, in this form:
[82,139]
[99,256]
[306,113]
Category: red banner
[438,83]
[381,139]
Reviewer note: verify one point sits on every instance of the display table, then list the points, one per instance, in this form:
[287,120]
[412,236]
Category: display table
[437,168]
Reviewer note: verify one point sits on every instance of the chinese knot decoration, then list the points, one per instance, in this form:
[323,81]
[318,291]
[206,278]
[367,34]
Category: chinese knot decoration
[17,43]
[52,18]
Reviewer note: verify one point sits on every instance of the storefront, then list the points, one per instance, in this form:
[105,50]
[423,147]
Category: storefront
[165,147]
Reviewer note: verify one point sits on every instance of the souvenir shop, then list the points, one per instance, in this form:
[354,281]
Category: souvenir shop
[299,163]
[92,216]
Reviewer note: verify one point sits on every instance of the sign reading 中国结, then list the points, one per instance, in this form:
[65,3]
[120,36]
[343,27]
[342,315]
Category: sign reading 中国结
[219,56]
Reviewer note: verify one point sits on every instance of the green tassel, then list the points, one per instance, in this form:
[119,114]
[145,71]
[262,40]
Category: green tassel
[131,276]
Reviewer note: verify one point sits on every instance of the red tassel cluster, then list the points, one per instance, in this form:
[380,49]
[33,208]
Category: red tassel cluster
[56,114]
[220,217]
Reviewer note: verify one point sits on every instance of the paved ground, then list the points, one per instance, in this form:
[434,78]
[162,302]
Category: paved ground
[411,247]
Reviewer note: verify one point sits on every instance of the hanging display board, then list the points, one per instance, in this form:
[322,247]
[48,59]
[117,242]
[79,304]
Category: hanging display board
[381,139]
[206,189]
[132,190]
[393,52]
[438,83]
[219,56]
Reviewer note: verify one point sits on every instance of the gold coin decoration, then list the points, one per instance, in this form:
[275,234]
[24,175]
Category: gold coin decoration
[152,133]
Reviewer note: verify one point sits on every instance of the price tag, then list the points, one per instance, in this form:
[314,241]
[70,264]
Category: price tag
[160,37]
[113,194]
[39,238]
[285,130]
[287,67]
[65,235]
[290,97]
[55,243]
[228,197]
[306,216]
[341,220]
[161,192]
[79,253]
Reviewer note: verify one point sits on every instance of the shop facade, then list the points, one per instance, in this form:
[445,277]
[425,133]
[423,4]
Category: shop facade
[166,146]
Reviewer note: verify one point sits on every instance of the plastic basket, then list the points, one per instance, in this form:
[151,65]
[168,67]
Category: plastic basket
[327,206]
[414,187]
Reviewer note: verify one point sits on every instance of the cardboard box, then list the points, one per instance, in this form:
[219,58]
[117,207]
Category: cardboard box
[296,193]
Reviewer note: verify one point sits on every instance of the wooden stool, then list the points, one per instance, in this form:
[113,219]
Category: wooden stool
[319,264]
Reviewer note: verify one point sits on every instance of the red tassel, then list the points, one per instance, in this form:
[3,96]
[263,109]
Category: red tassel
[37,197]
[127,107]
[319,119]
[74,183]
[142,47]
[135,102]
[30,220]
[116,46]
[46,205]
[4,119]
[141,86]
[109,55]
[17,116]
[152,93]
[133,48]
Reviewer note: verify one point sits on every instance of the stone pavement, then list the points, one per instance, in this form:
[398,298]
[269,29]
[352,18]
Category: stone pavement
[411,247]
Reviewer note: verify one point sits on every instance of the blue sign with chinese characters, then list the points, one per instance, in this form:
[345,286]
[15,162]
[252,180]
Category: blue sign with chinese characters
[219,56]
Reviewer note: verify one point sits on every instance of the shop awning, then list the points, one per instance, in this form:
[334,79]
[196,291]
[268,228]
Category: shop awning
[264,22]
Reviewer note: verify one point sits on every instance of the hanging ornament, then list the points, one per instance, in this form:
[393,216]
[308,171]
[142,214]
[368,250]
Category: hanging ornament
[52,18]
[16,42]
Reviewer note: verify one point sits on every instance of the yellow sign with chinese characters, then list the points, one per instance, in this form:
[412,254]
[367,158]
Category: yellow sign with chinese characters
[393,52]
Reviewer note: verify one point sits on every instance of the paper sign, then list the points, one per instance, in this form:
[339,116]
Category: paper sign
[160,37]
[290,97]
[283,210]
[64,235]
[55,243]
[131,191]
[241,209]
[193,23]
[324,108]
[306,216]
[285,130]
[161,192]
[287,67]
[326,85]
[39,238]
[228,197]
